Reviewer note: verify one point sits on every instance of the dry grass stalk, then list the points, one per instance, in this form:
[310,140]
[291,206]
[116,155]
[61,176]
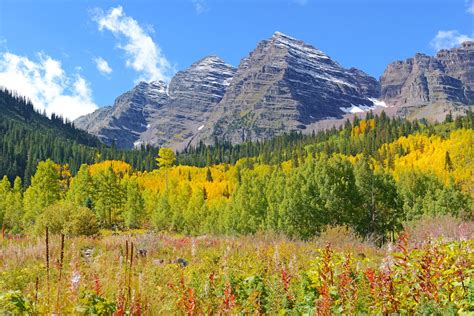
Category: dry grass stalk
[61,260]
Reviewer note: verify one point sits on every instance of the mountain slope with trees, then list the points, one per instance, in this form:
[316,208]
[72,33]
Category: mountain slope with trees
[373,175]
[27,137]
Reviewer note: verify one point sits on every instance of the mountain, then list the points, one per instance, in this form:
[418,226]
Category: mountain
[153,113]
[431,86]
[130,115]
[193,96]
[283,85]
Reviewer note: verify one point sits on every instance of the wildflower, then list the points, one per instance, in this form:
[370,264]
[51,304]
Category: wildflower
[75,280]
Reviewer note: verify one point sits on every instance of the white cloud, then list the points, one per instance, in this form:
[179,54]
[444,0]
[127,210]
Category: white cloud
[47,85]
[102,66]
[143,54]
[200,6]
[449,39]
[470,7]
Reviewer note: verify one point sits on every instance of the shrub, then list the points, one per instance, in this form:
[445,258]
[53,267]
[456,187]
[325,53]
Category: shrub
[68,219]
[82,222]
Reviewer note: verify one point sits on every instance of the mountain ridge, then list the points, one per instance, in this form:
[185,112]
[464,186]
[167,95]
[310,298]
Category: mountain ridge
[283,85]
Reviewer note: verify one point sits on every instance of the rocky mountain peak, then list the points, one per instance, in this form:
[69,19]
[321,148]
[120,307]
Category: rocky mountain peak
[433,85]
[285,85]
[208,62]
[208,75]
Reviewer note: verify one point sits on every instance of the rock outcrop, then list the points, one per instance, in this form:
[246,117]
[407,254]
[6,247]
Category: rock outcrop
[447,78]
[193,96]
[130,115]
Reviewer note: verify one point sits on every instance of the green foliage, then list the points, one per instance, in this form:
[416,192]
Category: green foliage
[45,190]
[381,207]
[67,218]
[134,209]
[108,197]
[166,158]
[82,187]
[14,303]
[5,188]
[81,222]
[423,193]
[93,304]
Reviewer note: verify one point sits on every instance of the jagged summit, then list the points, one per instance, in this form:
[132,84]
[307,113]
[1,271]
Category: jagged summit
[140,115]
[209,60]
[283,85]
[280,35]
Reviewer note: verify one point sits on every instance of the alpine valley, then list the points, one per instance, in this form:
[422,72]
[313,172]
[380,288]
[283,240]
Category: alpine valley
[283,85]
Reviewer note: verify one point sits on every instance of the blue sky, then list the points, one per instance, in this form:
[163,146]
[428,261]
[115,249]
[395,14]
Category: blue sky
[70,57]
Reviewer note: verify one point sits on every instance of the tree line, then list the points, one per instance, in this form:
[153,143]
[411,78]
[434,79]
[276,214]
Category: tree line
[374,192]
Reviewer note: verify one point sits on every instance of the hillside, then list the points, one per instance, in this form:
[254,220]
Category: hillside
[27,137]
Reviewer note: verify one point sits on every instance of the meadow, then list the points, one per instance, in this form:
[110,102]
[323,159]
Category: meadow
[427,271]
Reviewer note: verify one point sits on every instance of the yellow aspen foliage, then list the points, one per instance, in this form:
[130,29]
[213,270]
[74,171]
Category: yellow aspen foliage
[118,167]
[363,126]
[450,159]
[286,166]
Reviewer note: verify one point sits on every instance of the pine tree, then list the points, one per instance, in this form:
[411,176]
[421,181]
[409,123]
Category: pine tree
[209,175]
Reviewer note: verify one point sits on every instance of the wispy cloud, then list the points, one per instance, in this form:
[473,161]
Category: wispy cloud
[470,6]
[102,66]
[449,39]
[47,85]
[142,53]
[200,6]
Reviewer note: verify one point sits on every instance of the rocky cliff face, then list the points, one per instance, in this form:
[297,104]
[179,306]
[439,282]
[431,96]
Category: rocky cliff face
[447,78]
[156,114]
[284,85]
[130,115]
[194,94]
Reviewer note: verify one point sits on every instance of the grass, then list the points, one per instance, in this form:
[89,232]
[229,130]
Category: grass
[153,274]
